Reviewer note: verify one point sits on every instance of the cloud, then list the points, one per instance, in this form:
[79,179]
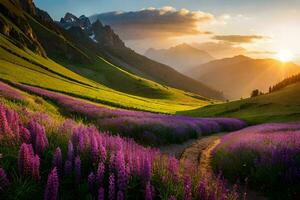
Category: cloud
[262,52]
[155,23]
[239,39]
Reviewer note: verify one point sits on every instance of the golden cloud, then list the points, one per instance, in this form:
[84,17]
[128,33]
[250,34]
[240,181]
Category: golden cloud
[155,23]
[239,38]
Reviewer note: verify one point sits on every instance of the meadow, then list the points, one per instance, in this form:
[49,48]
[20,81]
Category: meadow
[266,157]
[278,106]
[144,127]
[46,154]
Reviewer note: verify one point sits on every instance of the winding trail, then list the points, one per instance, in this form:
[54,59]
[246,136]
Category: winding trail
[199,152]
[206,155]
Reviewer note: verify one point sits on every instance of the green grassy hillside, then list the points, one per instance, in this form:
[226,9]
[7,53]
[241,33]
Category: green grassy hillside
[280,106]
[27,67]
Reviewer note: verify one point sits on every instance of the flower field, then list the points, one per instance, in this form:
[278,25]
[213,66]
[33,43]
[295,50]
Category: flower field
[268,156]
[61,159]
[146,128]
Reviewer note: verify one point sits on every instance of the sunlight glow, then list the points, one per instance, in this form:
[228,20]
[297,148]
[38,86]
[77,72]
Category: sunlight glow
[285,55]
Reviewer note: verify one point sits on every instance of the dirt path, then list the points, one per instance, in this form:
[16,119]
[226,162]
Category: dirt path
[190,149]
[201,153]
[197,150]
[206,155]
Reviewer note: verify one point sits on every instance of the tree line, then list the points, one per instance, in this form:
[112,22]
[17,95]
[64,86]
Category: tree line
[284,83]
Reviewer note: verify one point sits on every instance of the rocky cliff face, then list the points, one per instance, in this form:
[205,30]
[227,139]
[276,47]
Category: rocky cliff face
[70,20]
[101,34]
[28,6]
[26,37]
[106,36]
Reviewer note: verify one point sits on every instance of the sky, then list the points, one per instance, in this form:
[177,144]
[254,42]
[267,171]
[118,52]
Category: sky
[258,28]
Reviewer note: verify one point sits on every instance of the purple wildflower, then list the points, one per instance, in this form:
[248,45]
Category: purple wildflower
[102,152]
[121,171]
[57,160]
[94,149]
[120,195]
[111,187]
[51,191]
[4,127]
[202,190]
[36,168]
[70,151]
[38,137]
[91,182]
[100,173]
[68,168]
[187,188]
[147,170]
[25,135]
[101,193]
[77,169]
[25,159]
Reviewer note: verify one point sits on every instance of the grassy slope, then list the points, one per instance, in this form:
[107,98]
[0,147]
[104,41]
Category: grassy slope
[280,106]
[101,82]
[14,68]
[100,70]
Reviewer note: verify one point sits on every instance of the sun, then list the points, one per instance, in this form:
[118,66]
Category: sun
[285,55]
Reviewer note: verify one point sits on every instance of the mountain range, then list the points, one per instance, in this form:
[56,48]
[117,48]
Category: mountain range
[182,57]
[239,75]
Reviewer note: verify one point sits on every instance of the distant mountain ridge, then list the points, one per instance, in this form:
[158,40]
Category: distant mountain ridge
[239,75]
[182,57]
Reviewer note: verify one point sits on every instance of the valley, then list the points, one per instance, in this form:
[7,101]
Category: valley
[153,103]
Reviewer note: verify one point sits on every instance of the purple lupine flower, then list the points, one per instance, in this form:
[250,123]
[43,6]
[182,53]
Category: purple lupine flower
[187,188]
[24,135]
[4,182]
[70,151]
[51,191]
[120,195]
[94,149]
[102,152]
[173,168]
[38,137]
[148,192]
[57,160]
[121,171]
[100,173]
[36,168]
[81,142]
[4,127]
[147,171]
[101,193]
[92,182]
[13,122]
[77,169]
[68,168]
[202,190]
[41,141]
[25,159]
[112,162]
[111,187]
